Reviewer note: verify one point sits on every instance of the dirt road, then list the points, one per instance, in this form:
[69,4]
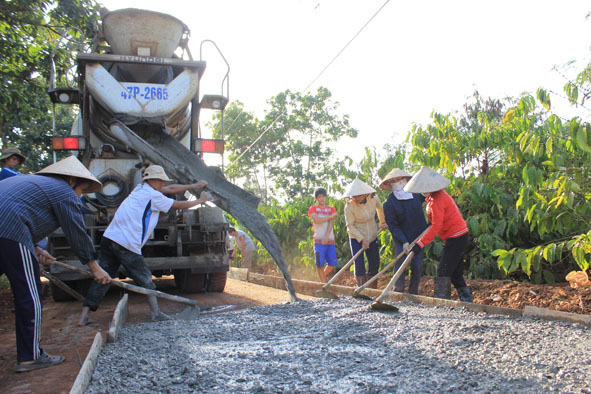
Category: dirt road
[62,336]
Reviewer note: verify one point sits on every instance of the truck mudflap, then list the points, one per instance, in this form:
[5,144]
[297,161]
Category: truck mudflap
[186,167]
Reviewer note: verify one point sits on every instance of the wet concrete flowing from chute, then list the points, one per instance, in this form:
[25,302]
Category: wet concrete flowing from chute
[186,167]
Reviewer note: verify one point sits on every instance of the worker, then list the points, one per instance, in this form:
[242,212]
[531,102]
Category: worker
[447,222]
[323,217]
[11,159]
[129,231]
[406,221]
[245,244]
[360,211]
[32,207]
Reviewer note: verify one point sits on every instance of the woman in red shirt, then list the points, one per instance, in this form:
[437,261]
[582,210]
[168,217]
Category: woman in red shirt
[447,222]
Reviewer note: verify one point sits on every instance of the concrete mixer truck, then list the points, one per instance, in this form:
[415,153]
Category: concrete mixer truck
[138,92]
[135,84]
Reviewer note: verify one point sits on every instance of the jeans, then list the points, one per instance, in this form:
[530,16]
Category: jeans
[112,256]
[372,254]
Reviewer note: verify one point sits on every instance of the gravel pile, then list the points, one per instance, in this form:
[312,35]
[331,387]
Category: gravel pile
[340,346]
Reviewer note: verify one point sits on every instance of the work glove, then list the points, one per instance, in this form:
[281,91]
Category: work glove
[405,247]
[416,249]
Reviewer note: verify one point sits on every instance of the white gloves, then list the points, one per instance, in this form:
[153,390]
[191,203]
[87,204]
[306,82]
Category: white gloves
[405,247]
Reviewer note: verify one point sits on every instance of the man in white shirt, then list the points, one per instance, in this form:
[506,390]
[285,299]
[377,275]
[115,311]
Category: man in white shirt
[130,229]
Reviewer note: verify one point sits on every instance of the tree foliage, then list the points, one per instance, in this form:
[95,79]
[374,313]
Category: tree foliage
[30,31]
[294,149]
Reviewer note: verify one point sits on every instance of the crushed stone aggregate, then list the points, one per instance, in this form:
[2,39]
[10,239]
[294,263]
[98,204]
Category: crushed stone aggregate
[340,346]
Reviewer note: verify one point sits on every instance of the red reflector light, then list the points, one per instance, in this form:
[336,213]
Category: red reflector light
[71,143]
[209,146]
[68,143]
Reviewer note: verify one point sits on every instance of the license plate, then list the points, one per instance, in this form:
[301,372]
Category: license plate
[144,92]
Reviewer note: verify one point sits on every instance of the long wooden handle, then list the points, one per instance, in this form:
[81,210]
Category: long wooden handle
[387,267]
[331,281]
[62,285]
[399,273]
[130,287]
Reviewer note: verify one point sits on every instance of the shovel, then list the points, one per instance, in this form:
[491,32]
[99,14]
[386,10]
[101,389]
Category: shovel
[378,305]
[357,292]
[192,311]
[324,292]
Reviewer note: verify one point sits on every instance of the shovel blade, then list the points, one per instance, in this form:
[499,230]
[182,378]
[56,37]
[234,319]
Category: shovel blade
[383,307]
[190,313]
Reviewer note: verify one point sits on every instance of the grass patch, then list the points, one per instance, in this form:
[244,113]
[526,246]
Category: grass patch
[4,283]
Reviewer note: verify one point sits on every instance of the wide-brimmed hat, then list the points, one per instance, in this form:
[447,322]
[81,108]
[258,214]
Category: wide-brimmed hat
[395,173]
[6,153]
[71,166]
[358,188]
[155,172]
[426,180]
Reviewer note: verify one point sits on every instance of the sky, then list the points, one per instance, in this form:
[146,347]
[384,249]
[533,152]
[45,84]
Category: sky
[414,57]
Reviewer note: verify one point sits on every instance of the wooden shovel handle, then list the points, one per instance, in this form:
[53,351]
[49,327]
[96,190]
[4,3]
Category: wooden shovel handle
[331,281]
[130,287]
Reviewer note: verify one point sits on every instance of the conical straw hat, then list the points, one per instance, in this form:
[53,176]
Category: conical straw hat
[155,172]
[71,166]
[358,188]
[426,181]
[395,173]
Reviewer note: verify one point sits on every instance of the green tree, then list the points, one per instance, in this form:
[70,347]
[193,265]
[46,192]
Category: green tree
[306,124]
[29,31]
[294,143]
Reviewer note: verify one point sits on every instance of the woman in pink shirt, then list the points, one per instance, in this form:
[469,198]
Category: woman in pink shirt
[447,222]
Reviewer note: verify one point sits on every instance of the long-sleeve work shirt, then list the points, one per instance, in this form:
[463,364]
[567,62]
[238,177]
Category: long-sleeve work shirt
[33,206]
[361,218]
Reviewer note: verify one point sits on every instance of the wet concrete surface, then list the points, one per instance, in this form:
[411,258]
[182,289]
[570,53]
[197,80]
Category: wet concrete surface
[62,336]
[340,346]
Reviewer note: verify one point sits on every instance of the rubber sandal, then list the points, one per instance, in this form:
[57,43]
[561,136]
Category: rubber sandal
[45,360]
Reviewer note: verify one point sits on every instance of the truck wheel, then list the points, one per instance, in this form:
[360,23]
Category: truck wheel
[59,295]
[82,286]
[189,283]
[217,281]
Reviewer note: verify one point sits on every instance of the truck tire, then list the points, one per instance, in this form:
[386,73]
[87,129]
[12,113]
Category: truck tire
[217,281]
[82,286]
[188,282]
[59,295]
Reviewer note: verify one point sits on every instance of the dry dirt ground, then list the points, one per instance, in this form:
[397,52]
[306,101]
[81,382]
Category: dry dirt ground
[504,293]
[62,336]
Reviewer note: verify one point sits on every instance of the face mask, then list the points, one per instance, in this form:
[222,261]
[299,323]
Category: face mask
[398,186]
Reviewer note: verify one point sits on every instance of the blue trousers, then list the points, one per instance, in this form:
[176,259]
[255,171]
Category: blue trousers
[372,254]
[416,266]
[112,256]
[22,269]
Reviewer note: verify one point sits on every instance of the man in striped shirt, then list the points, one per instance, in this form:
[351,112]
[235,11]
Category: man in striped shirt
[32,207]
[129,231]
